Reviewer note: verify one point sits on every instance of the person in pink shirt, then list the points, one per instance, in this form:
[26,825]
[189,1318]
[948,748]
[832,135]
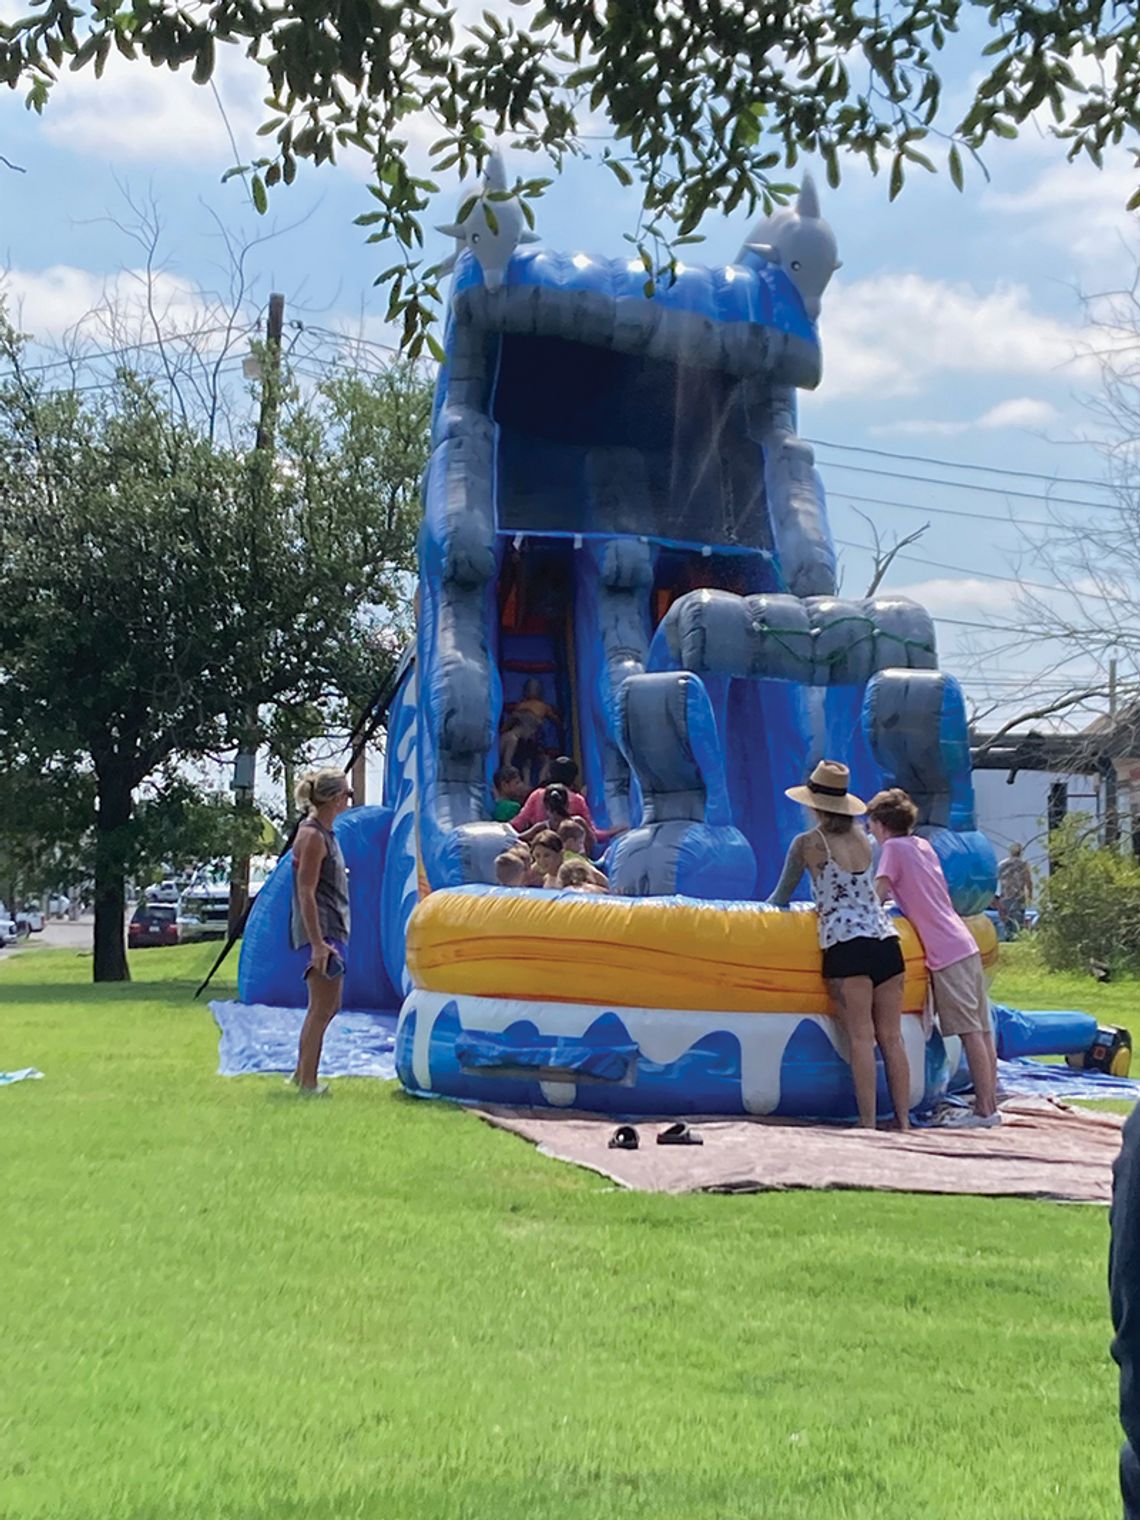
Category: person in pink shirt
[910,872]
[563,772]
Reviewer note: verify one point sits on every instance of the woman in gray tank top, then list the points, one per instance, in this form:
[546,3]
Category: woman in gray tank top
[320,917]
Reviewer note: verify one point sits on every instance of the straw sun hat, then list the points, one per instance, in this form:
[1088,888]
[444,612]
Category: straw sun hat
[826,791]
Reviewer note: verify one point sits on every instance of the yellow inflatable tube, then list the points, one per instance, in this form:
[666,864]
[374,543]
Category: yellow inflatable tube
[637,952]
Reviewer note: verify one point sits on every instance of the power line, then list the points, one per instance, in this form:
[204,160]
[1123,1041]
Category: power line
[954,464]
[914,506]
[94,356]
[989,575]
[957,485]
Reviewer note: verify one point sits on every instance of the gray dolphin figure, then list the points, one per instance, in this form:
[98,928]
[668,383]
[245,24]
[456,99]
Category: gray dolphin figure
[803,245]
[492,247]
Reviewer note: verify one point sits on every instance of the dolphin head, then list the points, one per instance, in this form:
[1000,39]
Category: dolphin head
[801,243]
[491,230]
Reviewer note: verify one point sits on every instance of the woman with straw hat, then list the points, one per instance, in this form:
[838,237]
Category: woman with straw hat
[862,960]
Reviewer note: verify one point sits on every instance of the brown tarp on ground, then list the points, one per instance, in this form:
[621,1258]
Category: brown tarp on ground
[1041,1150]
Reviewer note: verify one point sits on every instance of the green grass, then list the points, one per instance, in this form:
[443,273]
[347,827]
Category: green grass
[1024,982]
[218,1302]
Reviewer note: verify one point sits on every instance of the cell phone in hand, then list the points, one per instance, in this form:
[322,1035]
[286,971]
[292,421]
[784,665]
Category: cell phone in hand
[334,967]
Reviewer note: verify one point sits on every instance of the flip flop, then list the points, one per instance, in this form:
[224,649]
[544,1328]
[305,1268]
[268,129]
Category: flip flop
[678,1134]
[624,1138]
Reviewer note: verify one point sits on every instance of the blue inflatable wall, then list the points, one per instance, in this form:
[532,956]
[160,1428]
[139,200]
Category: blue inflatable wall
[271,971]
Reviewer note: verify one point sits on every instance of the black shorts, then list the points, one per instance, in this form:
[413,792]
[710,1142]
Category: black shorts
[880,959]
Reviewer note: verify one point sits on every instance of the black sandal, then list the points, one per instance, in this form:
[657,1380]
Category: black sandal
[624,1138]
[678,1134]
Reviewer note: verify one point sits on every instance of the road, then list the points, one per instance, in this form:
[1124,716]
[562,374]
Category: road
[59,934]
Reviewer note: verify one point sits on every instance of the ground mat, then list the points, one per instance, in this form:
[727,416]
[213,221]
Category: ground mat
[257,1038]
[1041,1150]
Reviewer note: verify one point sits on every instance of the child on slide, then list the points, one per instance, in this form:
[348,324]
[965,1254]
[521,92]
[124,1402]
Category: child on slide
[572,832]
[575,877]
[524,721]
[910,872]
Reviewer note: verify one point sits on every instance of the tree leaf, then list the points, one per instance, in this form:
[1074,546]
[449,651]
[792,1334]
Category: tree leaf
[897,174]
[260,195]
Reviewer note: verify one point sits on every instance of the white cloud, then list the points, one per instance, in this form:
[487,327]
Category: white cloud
[891,335]
[137,114]
[1017,412]
[959,596]
[1076,206]
[107,310]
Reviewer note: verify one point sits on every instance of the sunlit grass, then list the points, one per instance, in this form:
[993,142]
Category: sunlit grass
[219,1302]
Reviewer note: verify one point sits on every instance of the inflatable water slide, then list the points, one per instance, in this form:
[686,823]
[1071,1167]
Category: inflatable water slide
[625,540]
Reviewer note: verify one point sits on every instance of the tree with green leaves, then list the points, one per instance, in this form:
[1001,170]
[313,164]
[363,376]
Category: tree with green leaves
[159,587]
[46,817]
[47,833]
[180,825]
[708,106]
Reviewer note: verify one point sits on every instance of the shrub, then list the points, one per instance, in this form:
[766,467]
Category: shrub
[1090,905]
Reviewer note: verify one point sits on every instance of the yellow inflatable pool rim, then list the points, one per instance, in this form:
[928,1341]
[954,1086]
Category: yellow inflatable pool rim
[637,952]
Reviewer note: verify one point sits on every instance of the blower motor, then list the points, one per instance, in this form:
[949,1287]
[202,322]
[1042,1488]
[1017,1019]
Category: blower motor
[1110,1051]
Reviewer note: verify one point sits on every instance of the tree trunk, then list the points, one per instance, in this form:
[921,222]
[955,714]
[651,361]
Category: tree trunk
[115,804]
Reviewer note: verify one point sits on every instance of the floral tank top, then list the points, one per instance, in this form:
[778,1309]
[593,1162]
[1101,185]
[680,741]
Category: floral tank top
[847,904]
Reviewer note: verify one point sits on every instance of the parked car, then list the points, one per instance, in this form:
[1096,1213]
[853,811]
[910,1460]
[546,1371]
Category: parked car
[163,892]
[30,919]
[153,924]
[58,904]
[9,935]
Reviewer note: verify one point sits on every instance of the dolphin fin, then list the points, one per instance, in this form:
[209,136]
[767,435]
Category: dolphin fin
[808,203]
[452,230]
[766,251]
[495,171]
[838,264]
[527,236]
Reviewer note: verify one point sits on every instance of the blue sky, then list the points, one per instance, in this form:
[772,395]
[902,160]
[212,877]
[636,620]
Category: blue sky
[953,331]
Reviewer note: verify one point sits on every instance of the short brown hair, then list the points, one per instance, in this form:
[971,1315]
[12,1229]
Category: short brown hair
[509,867]
[894,810]
[547,840]
[573,874]
[570,826]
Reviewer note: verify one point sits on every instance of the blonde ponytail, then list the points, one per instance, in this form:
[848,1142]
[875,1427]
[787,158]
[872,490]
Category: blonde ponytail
[315,788]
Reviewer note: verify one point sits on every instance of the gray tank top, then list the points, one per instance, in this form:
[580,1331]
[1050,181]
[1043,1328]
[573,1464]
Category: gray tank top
[332,892]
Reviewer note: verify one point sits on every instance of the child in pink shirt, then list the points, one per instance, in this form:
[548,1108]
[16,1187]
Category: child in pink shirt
[910,872]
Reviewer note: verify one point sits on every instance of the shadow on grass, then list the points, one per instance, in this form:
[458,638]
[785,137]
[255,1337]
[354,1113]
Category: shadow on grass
[177,995]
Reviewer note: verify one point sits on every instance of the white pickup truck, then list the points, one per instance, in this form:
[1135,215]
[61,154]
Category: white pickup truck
[9,935]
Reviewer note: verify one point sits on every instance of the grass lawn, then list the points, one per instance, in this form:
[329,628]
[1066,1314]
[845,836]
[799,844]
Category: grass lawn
[218,1302]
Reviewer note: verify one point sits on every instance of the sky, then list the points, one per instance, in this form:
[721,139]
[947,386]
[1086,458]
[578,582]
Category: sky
[954,337]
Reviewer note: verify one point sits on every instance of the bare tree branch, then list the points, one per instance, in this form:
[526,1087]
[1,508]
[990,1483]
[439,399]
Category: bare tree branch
[885,557]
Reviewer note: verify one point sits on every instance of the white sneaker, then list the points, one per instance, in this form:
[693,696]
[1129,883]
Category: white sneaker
[966,1118]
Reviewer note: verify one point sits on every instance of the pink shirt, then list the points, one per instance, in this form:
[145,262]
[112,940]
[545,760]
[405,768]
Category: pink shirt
[534,810]
[917,884]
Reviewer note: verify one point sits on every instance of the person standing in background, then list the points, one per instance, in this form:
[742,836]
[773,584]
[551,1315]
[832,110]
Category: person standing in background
[1015,888]
[320,916]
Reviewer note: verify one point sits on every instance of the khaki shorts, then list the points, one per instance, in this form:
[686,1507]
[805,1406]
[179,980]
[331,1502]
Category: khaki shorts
[960,998]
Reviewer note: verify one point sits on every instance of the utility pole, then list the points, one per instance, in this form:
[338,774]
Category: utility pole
[1108,770]
[360,779]
[245,765]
